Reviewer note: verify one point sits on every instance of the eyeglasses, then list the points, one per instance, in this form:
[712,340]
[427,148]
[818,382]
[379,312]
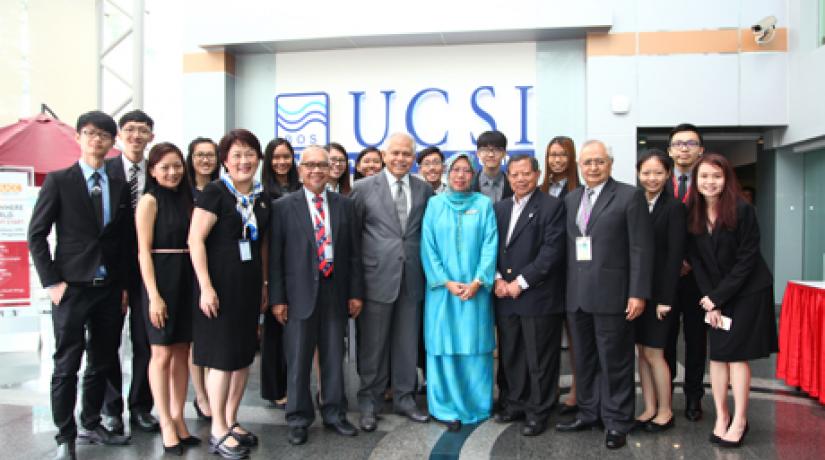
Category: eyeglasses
[691,144]
[489,151]
[594,162]
[204,156]
[102,135]
[313,165]
[337,161]
[141,131]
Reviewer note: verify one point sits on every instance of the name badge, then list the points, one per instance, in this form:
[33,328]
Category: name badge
[245,250]
[584,249]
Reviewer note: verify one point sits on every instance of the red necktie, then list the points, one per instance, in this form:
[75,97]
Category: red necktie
[321,240]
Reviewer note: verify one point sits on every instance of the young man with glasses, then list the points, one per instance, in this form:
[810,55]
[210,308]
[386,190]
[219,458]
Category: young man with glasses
[685,146]
[135,135]
[431,168]
[491,147]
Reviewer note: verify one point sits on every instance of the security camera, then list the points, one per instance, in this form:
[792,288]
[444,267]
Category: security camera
[764,30]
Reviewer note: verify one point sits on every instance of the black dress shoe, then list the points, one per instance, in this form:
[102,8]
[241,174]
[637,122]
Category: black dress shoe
[615,439]
[144,421]
[577,424]
[506,416]
[177,449]
[201,415]
[66,451]
[533,428]
[100,435]
[342,427]
[693,410]
[415,414]
[734,444]
[368,422]
[190,441]
[247,439]
[297,435]
[653,427]
[113,423]
[565,409]
[218,446]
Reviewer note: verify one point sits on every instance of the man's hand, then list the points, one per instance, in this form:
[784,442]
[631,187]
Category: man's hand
[56,292]
[635,307]
[513,289]
[501,288]
[124,302]
[355,306]
[280,312]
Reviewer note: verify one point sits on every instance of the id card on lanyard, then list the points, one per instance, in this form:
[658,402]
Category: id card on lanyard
[584,249]
[244,244]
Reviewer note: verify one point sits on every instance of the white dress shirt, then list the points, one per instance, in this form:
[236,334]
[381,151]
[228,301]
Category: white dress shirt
[518,207]
[405,183]
[141,174]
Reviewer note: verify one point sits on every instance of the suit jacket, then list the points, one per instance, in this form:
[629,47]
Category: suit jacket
[669,237]
[114,168]
[388,253]
[728,263]
[536,251]
[293,264]
[622,250]
[669,189]
[81,245]
[506,192]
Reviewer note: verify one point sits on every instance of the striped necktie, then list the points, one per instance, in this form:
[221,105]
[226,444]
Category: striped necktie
[321,239]
[133,184]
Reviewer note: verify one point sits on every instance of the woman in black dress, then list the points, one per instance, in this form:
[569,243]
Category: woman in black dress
[201,169]
[736,286]
[162,223]
[652,327]
[227,244]
[280,177]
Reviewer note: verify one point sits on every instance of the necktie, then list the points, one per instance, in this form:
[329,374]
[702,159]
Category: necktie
[321,240]
[682,186]
[97,198]
[133,184]
[401,205]
[585,209]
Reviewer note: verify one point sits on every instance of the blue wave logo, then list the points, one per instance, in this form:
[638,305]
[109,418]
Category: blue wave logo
[302,118]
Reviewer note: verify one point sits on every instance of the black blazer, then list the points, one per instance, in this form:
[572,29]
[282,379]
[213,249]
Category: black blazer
[114,168]
[622,248]
[728,263]
[506,192]
[293,264]
[669,237]
[536,252]
[81,246]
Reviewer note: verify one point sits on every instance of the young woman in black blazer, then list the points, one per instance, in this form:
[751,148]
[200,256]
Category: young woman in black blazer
[669,230]
[735,283]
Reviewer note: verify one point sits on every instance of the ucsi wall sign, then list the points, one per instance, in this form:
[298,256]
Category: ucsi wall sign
[442,96]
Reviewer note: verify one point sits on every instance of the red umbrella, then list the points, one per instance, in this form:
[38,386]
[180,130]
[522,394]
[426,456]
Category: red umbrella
[43,142]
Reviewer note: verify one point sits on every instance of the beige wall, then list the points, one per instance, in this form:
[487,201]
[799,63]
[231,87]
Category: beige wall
[62,65]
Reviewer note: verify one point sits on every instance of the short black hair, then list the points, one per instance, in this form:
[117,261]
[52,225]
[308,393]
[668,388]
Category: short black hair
[685,127]
[495,139]
[99,120]
[138,116]
[534,163]
[663,158]
[429,151]
[243,136]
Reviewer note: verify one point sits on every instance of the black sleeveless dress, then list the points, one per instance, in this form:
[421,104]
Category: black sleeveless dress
[173,271]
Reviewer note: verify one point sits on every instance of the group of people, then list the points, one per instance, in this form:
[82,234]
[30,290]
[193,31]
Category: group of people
[472,261]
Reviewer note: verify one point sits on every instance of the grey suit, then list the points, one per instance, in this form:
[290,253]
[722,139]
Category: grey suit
[597,292]
[394,288]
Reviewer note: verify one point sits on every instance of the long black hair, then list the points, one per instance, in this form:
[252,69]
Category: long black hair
[270,182]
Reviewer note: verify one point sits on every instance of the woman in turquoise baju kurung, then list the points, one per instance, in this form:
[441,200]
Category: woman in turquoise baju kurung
[458,250]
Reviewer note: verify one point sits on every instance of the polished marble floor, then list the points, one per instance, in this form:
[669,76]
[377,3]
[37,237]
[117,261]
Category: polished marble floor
[785,424]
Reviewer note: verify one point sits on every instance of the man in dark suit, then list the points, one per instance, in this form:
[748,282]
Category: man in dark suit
[90,211]
[390,208]
[491,146]
[315,281]
[609,273]
[685,146]
[529,296]
[130,167]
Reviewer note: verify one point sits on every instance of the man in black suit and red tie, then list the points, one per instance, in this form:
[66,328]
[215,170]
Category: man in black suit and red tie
[529,294]
[686,146]
[315,283]
[135,134]
[85,279]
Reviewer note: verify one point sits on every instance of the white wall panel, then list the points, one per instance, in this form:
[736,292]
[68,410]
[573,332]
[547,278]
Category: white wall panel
[763,89]
[255,94]
[607,77]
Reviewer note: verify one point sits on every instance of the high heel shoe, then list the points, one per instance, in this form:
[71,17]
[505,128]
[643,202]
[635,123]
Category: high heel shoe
[715,439]
[201,415]
[734,444]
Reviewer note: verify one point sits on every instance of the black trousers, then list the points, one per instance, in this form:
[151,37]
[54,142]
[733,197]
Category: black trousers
[529,353]
[694,330]
[273,359]
[323,329]
[605,361]
[140,395]
[86,319]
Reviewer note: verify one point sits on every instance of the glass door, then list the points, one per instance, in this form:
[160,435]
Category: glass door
[813,258]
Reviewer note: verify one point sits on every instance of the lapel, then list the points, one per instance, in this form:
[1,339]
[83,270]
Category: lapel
[503,213]
[606,195]
[301,208]
[661,203]
[382,188]
[527,214]
[575,200]
[334,216]
[79,182]
[114,198]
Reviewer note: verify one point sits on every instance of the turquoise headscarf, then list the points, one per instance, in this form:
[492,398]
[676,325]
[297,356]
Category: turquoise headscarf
[458,200]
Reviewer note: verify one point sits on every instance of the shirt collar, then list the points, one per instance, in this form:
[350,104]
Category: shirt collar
[88,170]
[487,180]
[128,163]
[310,194]
[597,189]
[524,200]
[392,179]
